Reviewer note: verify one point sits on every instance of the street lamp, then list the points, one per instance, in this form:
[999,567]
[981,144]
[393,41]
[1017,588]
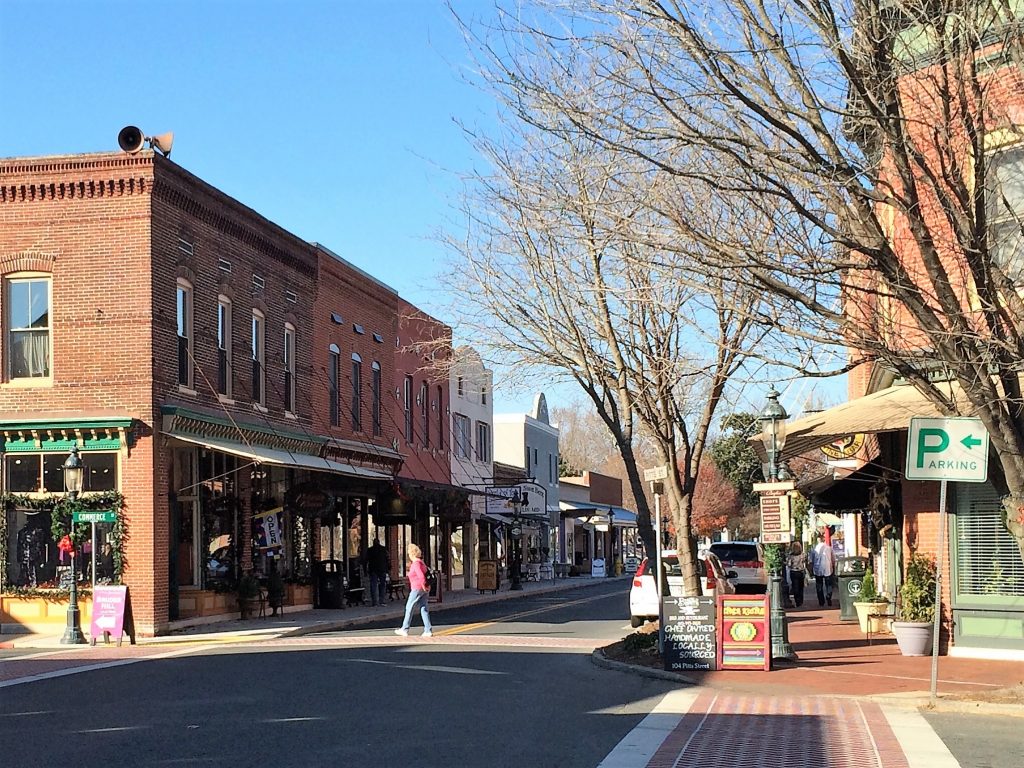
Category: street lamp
[74,472]
[773,433]
[519,501]
[610,570]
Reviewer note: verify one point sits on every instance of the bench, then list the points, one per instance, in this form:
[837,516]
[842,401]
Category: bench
[396,589]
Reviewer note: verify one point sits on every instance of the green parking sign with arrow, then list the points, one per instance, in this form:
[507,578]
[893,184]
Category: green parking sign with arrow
[947,449]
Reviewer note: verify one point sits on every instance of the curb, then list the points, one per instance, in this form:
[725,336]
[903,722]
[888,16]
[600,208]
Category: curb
[944,705]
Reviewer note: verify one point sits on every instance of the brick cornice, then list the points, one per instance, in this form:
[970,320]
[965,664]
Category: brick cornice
[35,179]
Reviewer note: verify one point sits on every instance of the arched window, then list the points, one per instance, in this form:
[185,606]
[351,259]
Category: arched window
[185,324]
[333,375]
[224,346]
[357,392]
[376,399]
[289,367]
[259,395]
[27,314]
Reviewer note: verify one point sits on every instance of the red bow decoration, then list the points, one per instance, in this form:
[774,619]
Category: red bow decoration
[66,545]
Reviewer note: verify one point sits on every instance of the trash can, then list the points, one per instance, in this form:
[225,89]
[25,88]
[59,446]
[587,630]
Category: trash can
[850,571]
[330,585]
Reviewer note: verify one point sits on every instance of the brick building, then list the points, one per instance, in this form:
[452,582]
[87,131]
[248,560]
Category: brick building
[232,388]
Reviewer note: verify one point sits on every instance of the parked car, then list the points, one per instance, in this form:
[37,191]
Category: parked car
[747,559]
[643,595]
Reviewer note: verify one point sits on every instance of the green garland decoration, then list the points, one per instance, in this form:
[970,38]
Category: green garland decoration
[60,509]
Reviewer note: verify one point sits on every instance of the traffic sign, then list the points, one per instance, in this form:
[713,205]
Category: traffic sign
[94,516]
[656,473]
[947,449]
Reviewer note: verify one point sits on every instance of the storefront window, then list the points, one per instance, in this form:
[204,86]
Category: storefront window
[44,472]
[34,560]
[219,523]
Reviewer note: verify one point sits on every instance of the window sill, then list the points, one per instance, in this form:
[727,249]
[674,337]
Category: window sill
[290,415]
[43,381]
[187,390]
[226,399]
[260,408]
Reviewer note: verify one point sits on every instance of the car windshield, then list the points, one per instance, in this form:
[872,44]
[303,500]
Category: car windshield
[733,552]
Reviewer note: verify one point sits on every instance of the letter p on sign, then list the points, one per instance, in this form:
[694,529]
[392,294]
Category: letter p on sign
[931,441]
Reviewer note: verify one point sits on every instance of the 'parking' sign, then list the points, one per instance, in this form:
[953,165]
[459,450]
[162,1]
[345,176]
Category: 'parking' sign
[947,449]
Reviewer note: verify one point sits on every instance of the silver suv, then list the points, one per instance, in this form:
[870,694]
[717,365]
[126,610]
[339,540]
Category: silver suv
[746,558]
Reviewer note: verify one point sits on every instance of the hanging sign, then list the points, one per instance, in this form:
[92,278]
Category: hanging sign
[744,632]
[775,517]
[689,634]
[269,528]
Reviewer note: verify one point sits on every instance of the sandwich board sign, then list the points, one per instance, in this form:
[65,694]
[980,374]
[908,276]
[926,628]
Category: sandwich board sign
[947,449]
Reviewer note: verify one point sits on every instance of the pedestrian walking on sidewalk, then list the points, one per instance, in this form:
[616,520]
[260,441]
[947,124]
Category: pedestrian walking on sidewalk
[377,566]
[419,591]
[824,566]
[796,565]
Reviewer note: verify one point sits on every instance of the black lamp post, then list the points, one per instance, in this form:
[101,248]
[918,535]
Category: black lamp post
[773,432]
[74,472]
[516,582]
[610,570]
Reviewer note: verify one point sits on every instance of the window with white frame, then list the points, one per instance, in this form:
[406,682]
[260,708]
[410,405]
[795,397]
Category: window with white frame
[258,351]
[224,346]
[483,441]
[289,367]
[28,327]
[333,375]
[44,472]
[425,414]
[1005,203]
[185,321]
[461,436]
[407,404]
[376,385]
[357,393]
[439,405]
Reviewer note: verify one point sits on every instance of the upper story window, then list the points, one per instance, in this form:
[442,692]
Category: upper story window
[483,441]
[483,395]
[407,404]
[224,346]
[439,404]
[289,367]
[376,385]
[28,327]
[357,392]
[460,386]
[461,436]
[425,414]
[1005,204]
[44,472]
[185,321]
[333,375]
[258,351]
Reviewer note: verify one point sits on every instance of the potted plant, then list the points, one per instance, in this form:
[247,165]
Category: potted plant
[869,602]
[914,625]
[248,591]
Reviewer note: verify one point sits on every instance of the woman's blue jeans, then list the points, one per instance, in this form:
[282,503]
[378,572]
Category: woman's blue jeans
[417,597]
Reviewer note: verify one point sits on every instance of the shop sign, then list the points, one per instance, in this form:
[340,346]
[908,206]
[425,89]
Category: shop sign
[109,606]
[690,634]
[487,576]
[508,499]
[744,632]
[844,448]
[775,517]
[269,528]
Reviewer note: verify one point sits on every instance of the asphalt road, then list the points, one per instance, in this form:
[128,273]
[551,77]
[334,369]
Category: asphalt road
[979,741]
[317,701]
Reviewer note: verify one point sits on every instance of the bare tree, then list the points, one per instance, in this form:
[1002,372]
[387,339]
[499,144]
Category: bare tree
[551,274]
[879,137]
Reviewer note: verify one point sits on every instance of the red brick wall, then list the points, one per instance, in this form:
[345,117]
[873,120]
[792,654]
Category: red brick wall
[359,300]
[423,352]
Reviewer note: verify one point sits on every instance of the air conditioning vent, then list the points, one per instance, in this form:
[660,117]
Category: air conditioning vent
[258,283]
[358,328]
[291,297]
[378,338]
[224,265]
[337,319]
[186,247]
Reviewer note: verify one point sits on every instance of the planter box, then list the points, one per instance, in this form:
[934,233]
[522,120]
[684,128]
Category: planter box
[40,614]
[298,594]
[201,602]
[864,610]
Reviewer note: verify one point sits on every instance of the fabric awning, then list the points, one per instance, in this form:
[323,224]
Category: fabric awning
[888,410]
[623,518]
[262,455]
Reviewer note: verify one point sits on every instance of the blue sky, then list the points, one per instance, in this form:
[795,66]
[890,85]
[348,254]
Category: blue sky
[336,120]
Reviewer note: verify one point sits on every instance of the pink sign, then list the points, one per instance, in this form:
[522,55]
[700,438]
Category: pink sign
[108,604]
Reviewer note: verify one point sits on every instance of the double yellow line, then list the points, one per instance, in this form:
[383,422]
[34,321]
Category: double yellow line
[520,615]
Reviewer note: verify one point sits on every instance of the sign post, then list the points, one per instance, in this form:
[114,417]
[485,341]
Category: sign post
[654,476]
[945,449]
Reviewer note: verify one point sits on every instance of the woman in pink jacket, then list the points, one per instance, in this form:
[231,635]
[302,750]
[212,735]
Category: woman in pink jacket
[418,593]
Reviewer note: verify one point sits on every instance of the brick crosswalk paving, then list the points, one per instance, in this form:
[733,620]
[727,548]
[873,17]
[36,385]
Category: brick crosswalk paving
[701,727]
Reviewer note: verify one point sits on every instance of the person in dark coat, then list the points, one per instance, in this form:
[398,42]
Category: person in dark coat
[377,566]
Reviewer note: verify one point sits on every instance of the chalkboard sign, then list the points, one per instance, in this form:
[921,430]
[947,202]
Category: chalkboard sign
[64,577]
[487,576]
[689,634]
